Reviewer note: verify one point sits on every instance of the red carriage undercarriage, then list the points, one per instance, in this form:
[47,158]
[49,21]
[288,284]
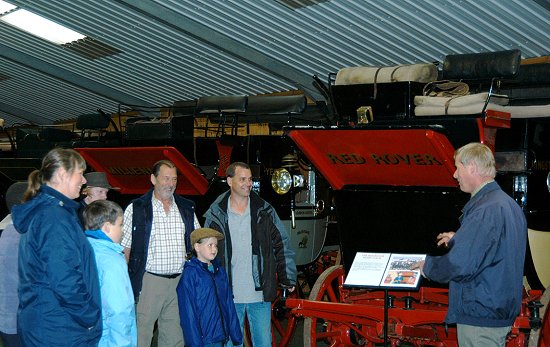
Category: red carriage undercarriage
[336,315]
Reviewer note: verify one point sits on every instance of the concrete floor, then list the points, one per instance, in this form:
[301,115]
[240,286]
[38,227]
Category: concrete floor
[297,339]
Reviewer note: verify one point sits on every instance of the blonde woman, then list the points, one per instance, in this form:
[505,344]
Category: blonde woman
[59,289]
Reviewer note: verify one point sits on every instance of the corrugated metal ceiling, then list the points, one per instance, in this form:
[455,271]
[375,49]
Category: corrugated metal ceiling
[183,49]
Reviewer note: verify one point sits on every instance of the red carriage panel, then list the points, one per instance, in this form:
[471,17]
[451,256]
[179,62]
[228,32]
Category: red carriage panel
[130,168]
[411,157]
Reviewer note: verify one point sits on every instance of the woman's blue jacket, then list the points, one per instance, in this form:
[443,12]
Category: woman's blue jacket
[59,297]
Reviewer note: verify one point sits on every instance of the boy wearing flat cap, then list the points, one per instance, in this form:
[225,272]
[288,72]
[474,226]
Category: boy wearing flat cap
[207,312]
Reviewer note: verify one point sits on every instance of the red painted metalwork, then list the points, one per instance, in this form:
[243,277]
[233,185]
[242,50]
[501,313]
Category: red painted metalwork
[488,126]
[497,119]
[344,317]
[283,324]
[130,168]
[400,157]
[224,153]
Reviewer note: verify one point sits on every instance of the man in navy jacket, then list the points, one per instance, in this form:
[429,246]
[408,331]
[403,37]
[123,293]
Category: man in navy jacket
[255,251]
[484,265]
[157,229]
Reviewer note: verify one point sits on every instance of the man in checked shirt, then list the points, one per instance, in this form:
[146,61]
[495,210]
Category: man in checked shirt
[157,228]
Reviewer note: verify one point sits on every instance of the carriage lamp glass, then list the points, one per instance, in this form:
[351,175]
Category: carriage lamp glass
[281,181]
[297,181]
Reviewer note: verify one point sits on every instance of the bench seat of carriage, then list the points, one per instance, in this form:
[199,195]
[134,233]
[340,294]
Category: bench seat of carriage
[387,90]
[94,131]
[391,102]
[521,91]
[233,111]
[476,104]
[36,141]
[280,110]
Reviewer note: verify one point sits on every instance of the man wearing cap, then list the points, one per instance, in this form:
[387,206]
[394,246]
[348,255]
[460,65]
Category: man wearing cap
[157,228]
[96,188]
[255,251]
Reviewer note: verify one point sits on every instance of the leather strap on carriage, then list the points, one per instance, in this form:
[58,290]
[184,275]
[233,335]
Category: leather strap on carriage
[375,90]
[393,73]
[446,88]
[448,102]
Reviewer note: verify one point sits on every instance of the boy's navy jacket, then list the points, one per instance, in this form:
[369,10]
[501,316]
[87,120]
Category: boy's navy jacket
[207,311]
[59,288]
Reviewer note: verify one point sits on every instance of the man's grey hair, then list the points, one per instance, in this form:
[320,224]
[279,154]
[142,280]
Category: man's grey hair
[479,155]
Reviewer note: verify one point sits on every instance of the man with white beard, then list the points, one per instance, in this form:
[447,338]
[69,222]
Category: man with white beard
[157,229]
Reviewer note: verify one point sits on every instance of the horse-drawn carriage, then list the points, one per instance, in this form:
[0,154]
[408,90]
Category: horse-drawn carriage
[391,176]
[373,174]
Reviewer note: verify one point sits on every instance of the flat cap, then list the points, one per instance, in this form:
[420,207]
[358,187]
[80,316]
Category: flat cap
[202,233]
[97,179]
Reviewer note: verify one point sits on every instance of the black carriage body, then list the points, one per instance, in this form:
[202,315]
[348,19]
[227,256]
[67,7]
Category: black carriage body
[395,221]
[396,217]
[387,100]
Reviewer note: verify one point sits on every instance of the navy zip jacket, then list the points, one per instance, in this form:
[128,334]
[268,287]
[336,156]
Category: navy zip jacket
[59,295]
[272,258]
[205,300]
[484,266]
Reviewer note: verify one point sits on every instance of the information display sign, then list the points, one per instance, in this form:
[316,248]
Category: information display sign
[386,270]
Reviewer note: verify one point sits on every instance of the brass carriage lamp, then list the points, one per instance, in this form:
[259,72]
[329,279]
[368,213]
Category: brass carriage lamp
[364,115]
[283,181]
[286,179]
[288,176]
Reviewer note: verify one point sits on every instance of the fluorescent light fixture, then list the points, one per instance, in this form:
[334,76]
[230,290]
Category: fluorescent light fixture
[41,27]
[5,7]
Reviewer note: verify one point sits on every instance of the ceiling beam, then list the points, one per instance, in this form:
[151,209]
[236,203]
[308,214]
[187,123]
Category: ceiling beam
[22,114]
[226,44]
[544,3]
[69,77]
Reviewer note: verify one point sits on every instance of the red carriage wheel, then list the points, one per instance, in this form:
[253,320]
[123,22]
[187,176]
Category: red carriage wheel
[541,337]
[283,323]
[326,288]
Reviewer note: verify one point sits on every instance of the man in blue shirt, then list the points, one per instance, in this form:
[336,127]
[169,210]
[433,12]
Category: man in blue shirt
[484,265]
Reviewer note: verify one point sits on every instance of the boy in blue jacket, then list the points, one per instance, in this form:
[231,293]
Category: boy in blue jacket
[103,223]
[207,312]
